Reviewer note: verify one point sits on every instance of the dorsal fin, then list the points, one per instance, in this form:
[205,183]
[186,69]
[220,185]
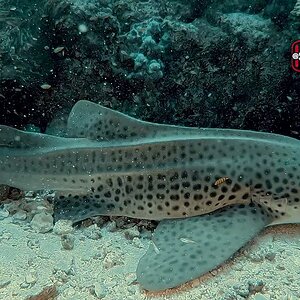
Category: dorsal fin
[96,122]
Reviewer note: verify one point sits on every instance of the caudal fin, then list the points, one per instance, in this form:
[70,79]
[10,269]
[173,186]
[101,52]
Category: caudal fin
[17,139]
[14,139]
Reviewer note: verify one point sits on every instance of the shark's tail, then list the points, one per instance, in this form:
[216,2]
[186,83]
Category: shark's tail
[18,150]
[12,138]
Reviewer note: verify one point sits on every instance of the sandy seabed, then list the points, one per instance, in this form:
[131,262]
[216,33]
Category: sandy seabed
[99,263]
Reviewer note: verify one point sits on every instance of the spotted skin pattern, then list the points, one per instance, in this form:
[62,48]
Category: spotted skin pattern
[112,164]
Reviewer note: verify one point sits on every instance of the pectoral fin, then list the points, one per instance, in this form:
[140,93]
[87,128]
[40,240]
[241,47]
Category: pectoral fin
[79,206]
[184,249]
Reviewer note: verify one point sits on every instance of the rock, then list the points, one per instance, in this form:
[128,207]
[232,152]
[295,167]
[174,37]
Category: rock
[241,290]
[30,194]
[33,243]
[131,233]
[130,278]
[262,253]
[3,214]
[137,243]
[255,285]
[4,283]
[120,222]
[15,194]
[68,293]
[93,232]
[63,227]
[20,215]
[60,275]
[24,285]
[42,222]
[4,192]
[5,235]
[112,259]
[67,241]
[270,256]
[260,296]
[132,289]
[31,278]
[100,290]
[111,227]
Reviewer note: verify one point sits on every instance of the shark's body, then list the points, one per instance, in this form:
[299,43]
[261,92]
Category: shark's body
[111,164]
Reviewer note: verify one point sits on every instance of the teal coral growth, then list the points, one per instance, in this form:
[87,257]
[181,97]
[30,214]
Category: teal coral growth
[151,40]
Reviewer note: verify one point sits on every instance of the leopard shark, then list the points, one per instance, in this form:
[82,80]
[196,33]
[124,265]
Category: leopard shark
[212,190]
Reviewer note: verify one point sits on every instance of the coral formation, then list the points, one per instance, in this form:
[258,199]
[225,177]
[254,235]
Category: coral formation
[155,60]
[296,11]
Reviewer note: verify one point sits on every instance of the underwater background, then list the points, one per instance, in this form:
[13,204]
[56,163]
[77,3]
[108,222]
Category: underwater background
[200,63]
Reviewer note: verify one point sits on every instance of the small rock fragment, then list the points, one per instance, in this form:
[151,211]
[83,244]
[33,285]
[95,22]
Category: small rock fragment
[5,235]
[20,215]
[241,290]
[42,222]
[260,296]
[3,214]
[82,28]
[67,241]
[100,290]
[130,278]
[131,233]
[30,194]
[255,285]
[15,194]
[111,259]
[4,192]
[93,232]
[33,243]
[132,289]
[270,256]
[4,283]
[24,285]
[137,243]
[111,227]
[63,227]
[60,275]
[280,267]
[31,278]
[69,293]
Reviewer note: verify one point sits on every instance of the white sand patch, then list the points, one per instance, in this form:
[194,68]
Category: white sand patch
[102,265]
